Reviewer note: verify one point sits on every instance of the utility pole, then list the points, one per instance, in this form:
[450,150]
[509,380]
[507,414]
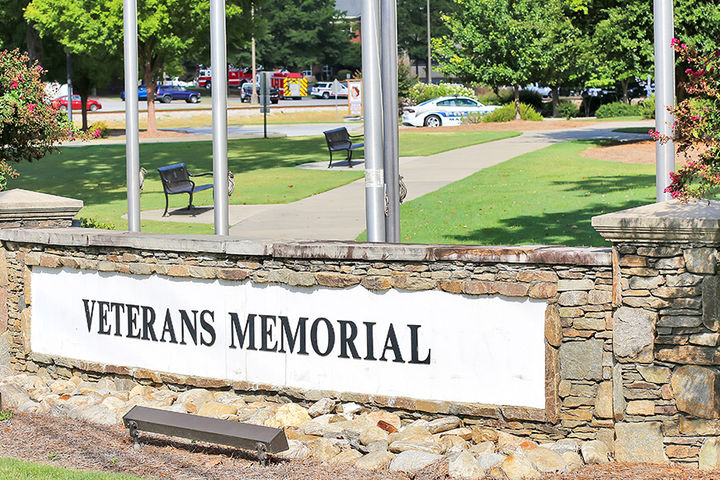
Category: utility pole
[69,85]
[253,95]
[218,55]
[388,15]
[664,95]
[428,69]
[132,142]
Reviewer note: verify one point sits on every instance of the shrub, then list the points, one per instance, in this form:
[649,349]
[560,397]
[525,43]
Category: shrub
[422,92]
[92,223]
[6,414]
[29,126]
[532,98]
[647,107]
[617,109]
[98,129]
[568,110]
[507,113]
[503,97]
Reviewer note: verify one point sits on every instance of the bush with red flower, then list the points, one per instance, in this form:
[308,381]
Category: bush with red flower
[697,125]
[29,126]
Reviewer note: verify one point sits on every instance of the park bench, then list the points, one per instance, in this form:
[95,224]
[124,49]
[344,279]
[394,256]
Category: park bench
[338,139]
[176,179]
[205,429]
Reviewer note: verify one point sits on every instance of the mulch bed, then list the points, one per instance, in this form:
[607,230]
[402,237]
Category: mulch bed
[80,445]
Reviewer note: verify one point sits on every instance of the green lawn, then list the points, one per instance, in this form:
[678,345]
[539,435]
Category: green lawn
[264,171]
[543,197]
[12,469]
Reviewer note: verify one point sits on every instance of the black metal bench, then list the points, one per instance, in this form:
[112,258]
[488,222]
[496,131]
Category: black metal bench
[176,179]
[339,139]
[205,429]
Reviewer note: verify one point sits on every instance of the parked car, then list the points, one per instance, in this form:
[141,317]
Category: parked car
[168,93]
[246,93]
[443,111]
[324,90]
[61,103]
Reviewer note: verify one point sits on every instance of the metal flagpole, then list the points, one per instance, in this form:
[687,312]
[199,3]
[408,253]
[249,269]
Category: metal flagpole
[388,15]
[69,85]
[372,99]
[218,58]
[664,95]
[132,143]
[428,69]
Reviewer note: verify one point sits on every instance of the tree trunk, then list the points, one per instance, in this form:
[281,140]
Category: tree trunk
[150,87]
[34,44]
[517,102]
[625,84]
[83,103]
[556,100]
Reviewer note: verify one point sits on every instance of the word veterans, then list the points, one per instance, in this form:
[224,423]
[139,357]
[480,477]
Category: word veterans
[258,332]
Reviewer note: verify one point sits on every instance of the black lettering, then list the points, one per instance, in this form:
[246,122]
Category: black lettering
[190,325]
[132,313]
[148,317]
[207,328]
[369,340]
[266,329]
[240,334]
[119,308]
[347,342]
[414,355]
[89,311]
[330,336]
[287,334]
[103,327]
[168,328]
[391,343]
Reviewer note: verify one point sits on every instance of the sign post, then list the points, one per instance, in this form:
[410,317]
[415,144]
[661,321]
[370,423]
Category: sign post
[264,99]
[336,88]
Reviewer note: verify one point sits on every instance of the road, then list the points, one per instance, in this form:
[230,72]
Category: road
[110,104]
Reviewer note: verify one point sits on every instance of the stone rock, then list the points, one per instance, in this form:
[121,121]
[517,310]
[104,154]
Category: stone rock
[443,424]
[508,443]
[296,451]
[98,413]
[711,302]
[464,433]
[321,407]
[705,339]
[261,416]
[545,460]
[619,401]
[383,416]
[145,390]
[697,391]
[483,434]
[321,426]
[322,449]
[654,374]
[482,448]
[289,415]
[346,457]
[452,444]
[428,446]
[553,326]
[193,399]
[411,433]
[62,386]
[595,452]
[377,446]
[709,457]
[633,334]
[572,460]
[374,460]
[411,461]
[603,401]
[216,409]
[13,396]
[517,467]
[349,408]
[581,360]
[373,434]
[639,442]
[641,407]
[488,461]
[465,466]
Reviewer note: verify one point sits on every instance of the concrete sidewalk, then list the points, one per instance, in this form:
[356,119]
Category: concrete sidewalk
[339,214]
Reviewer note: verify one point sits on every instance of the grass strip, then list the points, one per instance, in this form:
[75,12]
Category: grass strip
[13,469]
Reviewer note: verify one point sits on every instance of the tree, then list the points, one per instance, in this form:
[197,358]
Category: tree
[298,34]
[166,30]
[493,42]
[412,25]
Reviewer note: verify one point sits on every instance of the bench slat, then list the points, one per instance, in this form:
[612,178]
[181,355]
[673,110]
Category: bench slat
[205,429]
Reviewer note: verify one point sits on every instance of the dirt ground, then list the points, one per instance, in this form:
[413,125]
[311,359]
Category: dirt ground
[63,442]
[642,151]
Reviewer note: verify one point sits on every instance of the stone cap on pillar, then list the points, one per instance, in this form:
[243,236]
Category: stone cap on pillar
[26,208]
[695,222]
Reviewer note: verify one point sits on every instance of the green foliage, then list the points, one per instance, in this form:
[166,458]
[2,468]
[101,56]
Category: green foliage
[406,80]
[501,98]
[422,92]
[532,98]
[507,113]
[6,414]
[617,109]
[568,110]
[412,24]
[98,129]
[647,107]
[13,469]
[29,126]
[92,223]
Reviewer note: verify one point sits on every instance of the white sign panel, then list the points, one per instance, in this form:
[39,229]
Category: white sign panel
[355,97]
[428,345]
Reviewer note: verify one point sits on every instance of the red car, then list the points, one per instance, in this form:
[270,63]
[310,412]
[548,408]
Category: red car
[61,104]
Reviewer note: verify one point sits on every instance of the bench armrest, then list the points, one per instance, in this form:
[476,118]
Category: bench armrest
[200,174]
[357,136]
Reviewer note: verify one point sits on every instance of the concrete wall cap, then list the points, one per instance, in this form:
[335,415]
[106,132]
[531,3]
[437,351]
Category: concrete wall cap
[19,204]
[696,222]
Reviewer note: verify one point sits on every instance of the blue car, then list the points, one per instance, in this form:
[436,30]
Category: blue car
[168,93]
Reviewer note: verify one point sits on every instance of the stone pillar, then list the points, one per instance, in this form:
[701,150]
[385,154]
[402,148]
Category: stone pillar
[22,208]
[666,323]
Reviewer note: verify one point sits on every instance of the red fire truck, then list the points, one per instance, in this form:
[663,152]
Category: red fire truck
[236,77]
[290,85]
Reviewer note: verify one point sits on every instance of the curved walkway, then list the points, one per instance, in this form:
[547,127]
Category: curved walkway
[339,214]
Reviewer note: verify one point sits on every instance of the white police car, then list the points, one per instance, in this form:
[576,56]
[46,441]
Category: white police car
[443,111]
